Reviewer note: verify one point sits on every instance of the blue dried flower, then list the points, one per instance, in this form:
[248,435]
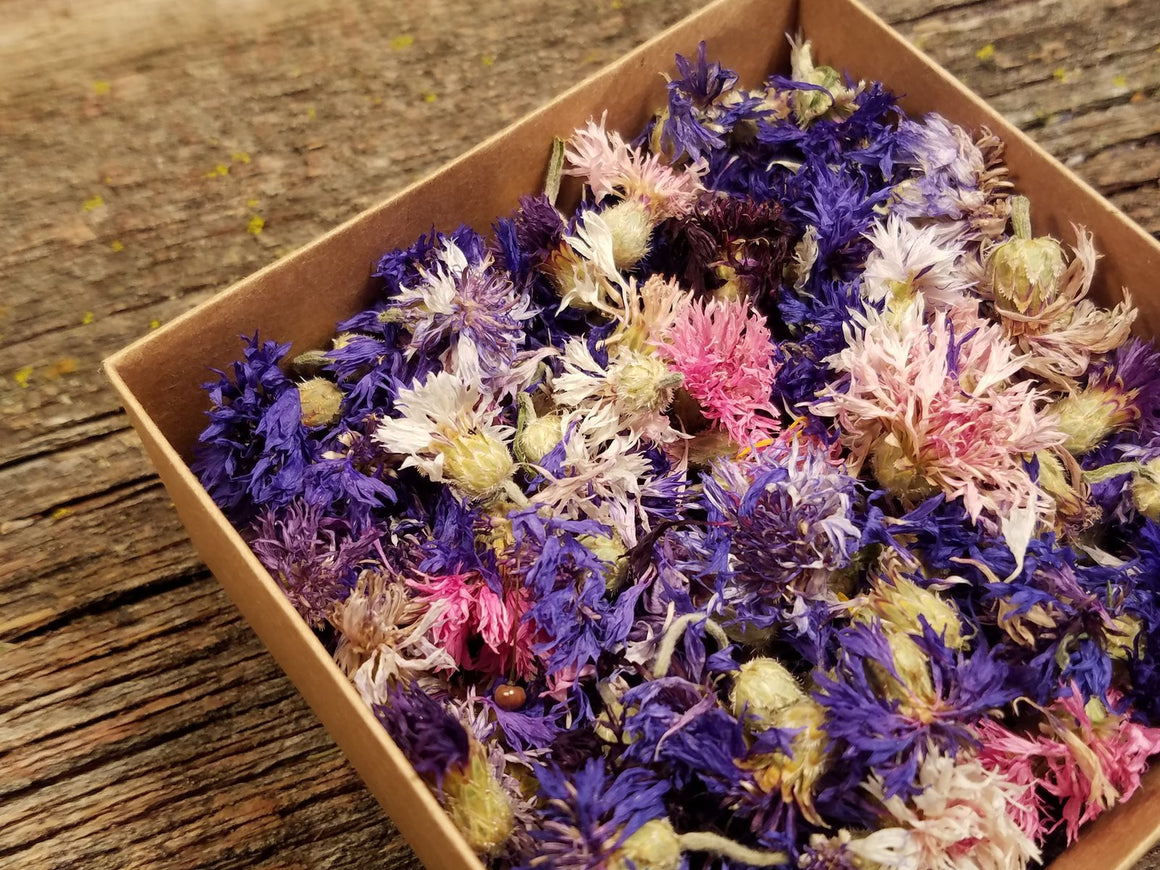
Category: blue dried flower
[881,723]
[255,450]
[590,813]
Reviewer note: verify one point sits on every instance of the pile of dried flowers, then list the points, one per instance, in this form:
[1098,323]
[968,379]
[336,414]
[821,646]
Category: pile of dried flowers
[778,505]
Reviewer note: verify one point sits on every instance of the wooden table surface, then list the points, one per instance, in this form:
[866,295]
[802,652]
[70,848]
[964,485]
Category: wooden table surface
[152,153]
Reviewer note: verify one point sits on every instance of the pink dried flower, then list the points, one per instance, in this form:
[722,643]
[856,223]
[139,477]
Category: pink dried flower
[472,610]
[1085,756]
[725,353]
[932,406]
[1013,757]
[610,166]
[1094,757]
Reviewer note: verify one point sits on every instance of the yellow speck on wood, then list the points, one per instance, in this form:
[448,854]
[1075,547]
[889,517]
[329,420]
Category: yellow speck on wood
[22,376]
[222,169]
[617,4]
[93,202]
[592,57]
[240,157]
[1120,81]
[488,60]
[116,246]
[60,513]
[430,97]
[310,113]
[986,52]
[154,323]
[88,318]
[254,227]
[403,40]
[101,87]
[1059,73]
[66,365]
[251,203]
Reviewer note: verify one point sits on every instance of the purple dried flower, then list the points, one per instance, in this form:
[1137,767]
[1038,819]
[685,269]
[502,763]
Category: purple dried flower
[313,557]
[434,741]
[590,813]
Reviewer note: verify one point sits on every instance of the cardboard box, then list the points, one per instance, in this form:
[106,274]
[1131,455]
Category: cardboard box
[301,297]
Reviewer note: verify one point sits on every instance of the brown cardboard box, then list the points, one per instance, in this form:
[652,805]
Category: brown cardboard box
[301,297]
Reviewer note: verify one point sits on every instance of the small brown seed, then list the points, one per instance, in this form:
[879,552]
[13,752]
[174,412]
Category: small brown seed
[510,697]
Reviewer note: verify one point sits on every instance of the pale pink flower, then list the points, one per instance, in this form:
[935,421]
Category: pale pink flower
[471,610]
[909,259]
[934,408]
[725,353]
[961,820]
[1062,336]
[609,166]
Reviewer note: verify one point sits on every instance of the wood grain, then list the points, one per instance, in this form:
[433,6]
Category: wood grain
[141,723]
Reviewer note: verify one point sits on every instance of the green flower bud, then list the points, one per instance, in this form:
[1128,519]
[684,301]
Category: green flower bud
[321,402]
[478,805]
[631,227]
[898,472]
[653,846]
[477,463]
[764,689]
[537,437]
[1146,490]
[608,548]
[643,382]
[1089,416]
[900,602]
[1025,272]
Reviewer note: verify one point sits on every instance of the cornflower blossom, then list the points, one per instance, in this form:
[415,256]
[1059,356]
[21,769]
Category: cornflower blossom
[724,352]
[610,167]
[1094,757]
[480,629]
[584,266]
[961,818]
[1062,332]
[469,314]
[591,813]
[384,636]
[788,518]
[628,396]
[936,412]
[909,259]
[584,477]
[954,178]
[887,711]
[311,556]
[255,450]
[1014,758]
[450,429]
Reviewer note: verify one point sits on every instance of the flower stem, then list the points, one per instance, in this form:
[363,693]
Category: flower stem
[1021,216]
[706,841]
[676,631]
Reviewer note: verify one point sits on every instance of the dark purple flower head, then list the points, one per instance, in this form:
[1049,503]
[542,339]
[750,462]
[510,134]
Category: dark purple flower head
[591,812]
[313,557]
[434,741]
[789,515]
[401,267]
[750,238]
[883,720]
